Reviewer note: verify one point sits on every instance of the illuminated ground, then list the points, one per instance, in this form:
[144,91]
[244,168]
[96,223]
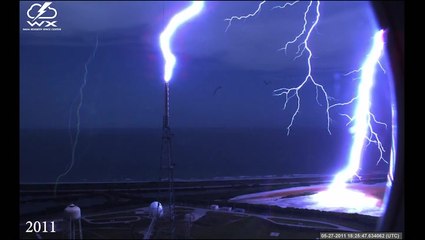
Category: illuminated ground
[370,196]
[119,210]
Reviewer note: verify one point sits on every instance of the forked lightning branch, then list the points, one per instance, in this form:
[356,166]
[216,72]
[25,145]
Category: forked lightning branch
[41,17]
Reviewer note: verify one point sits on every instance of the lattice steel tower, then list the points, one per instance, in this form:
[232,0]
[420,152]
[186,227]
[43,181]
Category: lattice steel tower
[167,163]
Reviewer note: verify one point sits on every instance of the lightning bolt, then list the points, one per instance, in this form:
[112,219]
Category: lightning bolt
[168,33]
[303,37]
[170,61]
[42,10]
[338,195]
[393,146]
[74,140]
[362,118]
[243,17]
[303,46]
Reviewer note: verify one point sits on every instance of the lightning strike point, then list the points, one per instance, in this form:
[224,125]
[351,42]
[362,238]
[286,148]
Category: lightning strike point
[362,116]
[361,119]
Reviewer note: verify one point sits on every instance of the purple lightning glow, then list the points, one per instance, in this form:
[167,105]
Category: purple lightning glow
[167,35]
[362,128]
[338,195]
[393,146]
[345,198]
[362,117]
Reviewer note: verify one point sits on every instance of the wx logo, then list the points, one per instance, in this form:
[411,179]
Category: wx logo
[40,24]
[45,13]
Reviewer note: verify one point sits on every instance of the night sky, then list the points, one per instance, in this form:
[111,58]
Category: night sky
[222,79]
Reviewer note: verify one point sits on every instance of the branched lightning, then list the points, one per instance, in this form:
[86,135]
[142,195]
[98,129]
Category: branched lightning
[302,47]
[166,36]
[360,69]
[74,140]
[299,51]
[362,118]
[243,17]
[303,38]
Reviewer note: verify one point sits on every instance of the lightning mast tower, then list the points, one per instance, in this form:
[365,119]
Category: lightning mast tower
[167,163]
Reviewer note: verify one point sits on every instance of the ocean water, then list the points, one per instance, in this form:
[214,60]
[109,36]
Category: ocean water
[114,155]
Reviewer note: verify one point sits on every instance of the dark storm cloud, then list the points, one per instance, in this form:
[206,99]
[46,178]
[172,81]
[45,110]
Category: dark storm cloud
[250,44]
[124,82]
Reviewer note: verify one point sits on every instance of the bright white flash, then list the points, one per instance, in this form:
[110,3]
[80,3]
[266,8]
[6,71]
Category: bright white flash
[345,198]
[166,36]
[362,117]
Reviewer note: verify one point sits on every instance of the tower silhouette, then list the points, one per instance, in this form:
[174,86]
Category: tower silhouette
[166,162]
